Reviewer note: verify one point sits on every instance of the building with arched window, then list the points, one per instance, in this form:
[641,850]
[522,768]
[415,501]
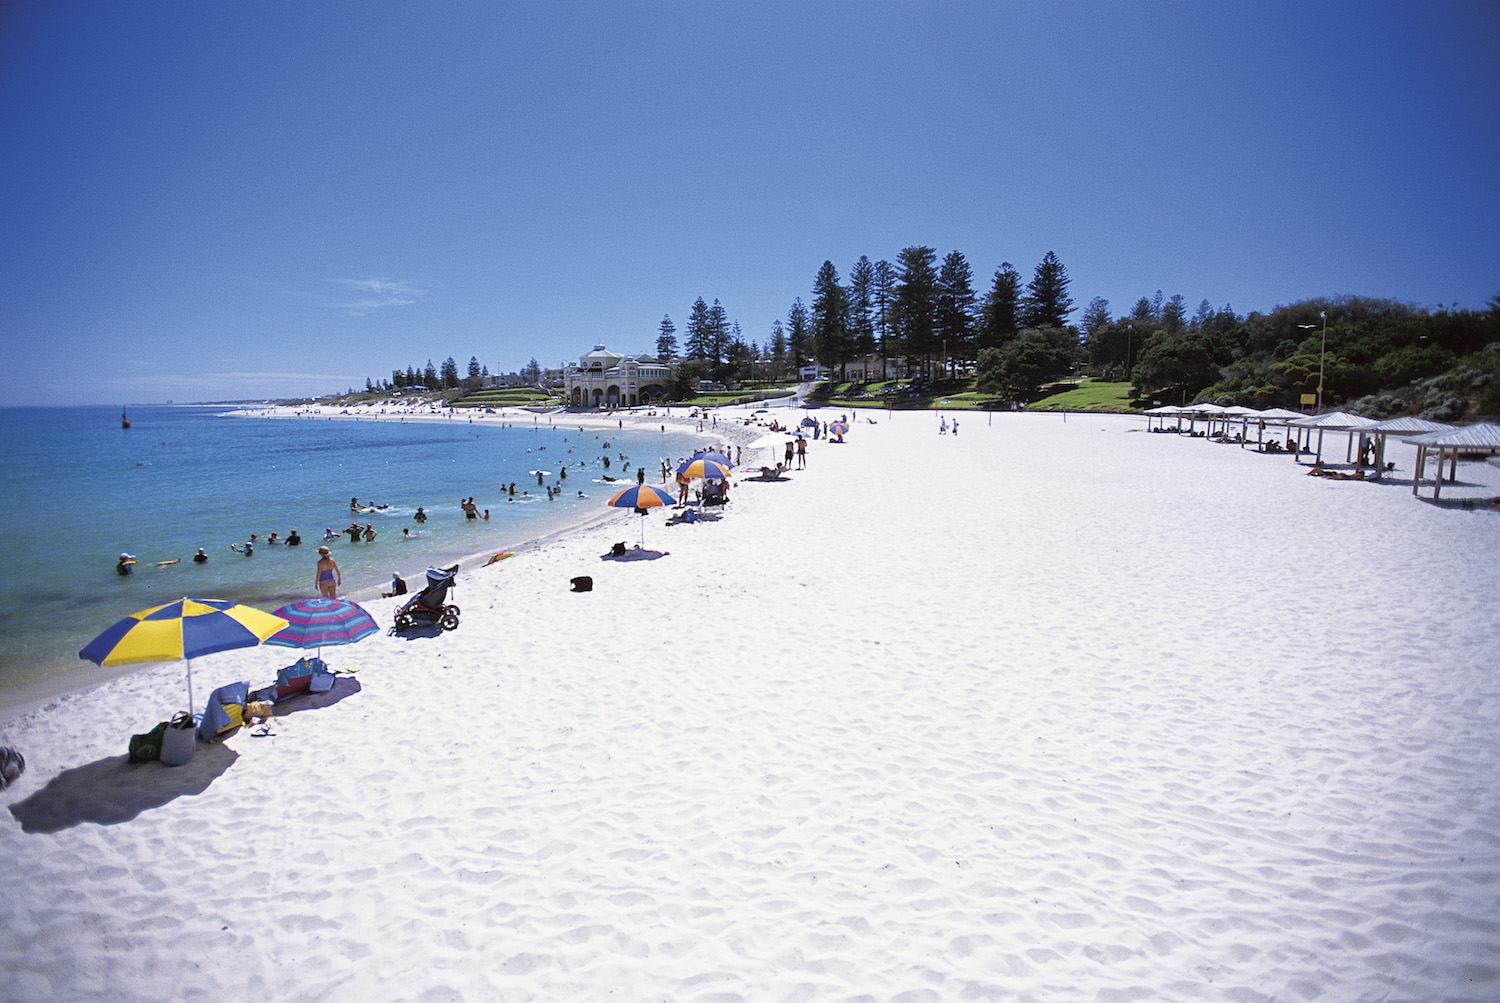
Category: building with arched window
[608,379]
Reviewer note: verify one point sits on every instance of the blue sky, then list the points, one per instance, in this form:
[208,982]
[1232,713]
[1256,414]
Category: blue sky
[214,201]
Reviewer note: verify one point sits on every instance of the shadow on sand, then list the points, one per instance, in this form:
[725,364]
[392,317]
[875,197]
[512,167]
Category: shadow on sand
[114,790]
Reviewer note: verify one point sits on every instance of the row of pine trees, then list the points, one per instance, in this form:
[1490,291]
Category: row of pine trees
[919,309]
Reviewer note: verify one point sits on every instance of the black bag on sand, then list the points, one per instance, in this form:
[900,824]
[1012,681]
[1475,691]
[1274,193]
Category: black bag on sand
[583,583]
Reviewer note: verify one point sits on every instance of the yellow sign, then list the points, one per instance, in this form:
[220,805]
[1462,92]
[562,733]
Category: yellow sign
[1309,398]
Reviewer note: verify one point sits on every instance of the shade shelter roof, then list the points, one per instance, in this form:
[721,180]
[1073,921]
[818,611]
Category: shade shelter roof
[1165,409]
[1203,409]
[1480,436]
[1408,426]
[1398,426]
[1280,413]
[1241,411]
[1335,421]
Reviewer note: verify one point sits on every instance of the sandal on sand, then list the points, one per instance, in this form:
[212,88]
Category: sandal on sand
[264,731]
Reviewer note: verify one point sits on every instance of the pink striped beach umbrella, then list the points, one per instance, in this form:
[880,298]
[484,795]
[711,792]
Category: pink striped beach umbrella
[323,620]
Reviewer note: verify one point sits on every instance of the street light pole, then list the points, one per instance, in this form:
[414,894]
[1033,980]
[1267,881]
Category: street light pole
[1321,353]
[1313,327]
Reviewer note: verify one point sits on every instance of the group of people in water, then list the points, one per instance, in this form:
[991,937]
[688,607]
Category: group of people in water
[328,577]
[126,564]
[292,539]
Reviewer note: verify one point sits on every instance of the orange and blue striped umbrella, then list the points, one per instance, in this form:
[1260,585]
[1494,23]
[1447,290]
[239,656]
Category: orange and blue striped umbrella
[840,427]
[186,629]
[704,468]
[642,496]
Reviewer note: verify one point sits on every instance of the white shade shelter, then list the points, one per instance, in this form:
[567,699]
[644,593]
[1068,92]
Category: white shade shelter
[1242,414]
[1399,426]
[1479,438]
[1272,416]
[1207,412]
[1164,412]
[1281,414]
[1334,421]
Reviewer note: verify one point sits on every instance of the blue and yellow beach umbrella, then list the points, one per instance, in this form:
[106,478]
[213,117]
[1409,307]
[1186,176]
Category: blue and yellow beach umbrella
[713,454]
[186,629]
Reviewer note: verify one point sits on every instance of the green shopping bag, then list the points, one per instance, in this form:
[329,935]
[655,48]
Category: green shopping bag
[144,748]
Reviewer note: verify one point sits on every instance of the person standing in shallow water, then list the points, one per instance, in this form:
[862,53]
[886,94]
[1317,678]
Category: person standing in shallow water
[328,578]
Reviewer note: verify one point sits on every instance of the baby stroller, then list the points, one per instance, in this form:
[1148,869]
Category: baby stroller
[428,607]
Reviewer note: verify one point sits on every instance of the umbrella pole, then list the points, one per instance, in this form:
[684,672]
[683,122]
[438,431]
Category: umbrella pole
[189,662]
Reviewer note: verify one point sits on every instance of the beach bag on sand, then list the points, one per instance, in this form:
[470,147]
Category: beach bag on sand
[583,583]
[179,740]
[299,676]
[12,765]
[144,748]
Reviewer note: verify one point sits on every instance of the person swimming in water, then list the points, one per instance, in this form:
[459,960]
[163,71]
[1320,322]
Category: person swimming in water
[293,540]
[329,535]
[420,516]
[201,557]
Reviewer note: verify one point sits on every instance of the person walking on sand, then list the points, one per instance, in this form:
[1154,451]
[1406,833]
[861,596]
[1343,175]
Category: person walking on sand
[329,578]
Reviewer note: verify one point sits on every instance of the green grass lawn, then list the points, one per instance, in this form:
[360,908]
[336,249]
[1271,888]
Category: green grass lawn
[507,397]
[721,398]
[1089,395]
[957,395]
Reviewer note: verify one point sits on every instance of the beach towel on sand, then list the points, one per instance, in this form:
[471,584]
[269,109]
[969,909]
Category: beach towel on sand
[225,710]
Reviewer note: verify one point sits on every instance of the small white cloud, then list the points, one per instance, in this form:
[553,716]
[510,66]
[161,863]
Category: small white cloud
[375,294]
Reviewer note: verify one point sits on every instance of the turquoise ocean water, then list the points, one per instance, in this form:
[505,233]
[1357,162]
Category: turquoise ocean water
[80,490]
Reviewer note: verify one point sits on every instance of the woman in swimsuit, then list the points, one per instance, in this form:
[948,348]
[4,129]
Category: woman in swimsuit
[329,578]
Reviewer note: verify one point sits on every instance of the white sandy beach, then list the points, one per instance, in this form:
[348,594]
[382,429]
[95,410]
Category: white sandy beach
[1050,709]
